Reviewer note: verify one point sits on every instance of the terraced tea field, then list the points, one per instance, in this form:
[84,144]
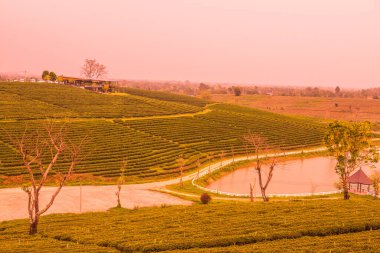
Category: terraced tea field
[337,226]
[33,101]
[140,126]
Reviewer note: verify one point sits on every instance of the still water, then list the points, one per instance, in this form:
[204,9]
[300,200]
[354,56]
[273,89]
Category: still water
[309,175]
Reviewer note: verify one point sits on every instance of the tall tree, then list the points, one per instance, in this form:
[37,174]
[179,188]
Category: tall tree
[40,152]
[92,69]
[350,144]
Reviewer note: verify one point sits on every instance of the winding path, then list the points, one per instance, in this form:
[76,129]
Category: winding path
[13,201]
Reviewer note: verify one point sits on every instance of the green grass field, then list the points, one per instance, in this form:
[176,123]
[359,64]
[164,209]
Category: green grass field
[299,226]
[142,127]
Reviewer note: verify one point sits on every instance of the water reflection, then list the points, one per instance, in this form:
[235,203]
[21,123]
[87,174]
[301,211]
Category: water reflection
[309,175]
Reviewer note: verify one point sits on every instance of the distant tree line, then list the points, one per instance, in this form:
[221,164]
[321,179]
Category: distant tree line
[206,90]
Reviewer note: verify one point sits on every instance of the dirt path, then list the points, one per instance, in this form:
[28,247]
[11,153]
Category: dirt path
[13,201]
[76,119]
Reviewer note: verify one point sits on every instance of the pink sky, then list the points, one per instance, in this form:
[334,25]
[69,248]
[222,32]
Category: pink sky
[284,42]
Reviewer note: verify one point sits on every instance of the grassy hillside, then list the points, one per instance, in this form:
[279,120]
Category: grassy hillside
[151,144]
[40,100]
[337,225]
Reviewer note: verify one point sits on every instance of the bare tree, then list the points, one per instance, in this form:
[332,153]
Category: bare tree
[121,181]
[181,161]
[233,153]
[251,190]
[263,186]
[40,152]
[259,145]
[92,69]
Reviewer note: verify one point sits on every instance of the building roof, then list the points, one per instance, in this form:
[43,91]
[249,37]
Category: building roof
[359,177]
[61,77]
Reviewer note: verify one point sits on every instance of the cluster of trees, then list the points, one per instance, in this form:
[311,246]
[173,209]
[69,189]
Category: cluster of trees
[49,76]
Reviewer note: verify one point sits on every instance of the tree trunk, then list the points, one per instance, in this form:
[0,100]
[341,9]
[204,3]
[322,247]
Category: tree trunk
[251,192]
[265,198]
[118,196]
[346,194]
[118,200]
[34,220]
[262,187]
[33,227]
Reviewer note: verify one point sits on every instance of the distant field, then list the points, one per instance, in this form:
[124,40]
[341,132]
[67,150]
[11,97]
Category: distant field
[134,126]
[325,108]
[301,226]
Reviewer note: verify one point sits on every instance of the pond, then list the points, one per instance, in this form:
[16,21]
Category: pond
[309,175]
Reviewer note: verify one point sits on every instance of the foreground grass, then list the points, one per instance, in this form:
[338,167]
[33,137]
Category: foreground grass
[218,227]
[367,241]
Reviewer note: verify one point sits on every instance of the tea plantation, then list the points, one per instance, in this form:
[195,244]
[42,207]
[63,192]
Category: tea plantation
[299,226]
[149,129]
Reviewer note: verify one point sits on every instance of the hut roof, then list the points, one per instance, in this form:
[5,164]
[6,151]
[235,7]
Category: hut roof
[359,177]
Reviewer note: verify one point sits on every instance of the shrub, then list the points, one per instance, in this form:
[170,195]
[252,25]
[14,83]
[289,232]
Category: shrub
[205,198]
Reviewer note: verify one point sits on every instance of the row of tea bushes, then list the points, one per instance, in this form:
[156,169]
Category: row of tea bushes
[211,226]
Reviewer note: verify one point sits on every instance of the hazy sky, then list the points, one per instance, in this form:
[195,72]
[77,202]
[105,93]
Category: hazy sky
[284,42]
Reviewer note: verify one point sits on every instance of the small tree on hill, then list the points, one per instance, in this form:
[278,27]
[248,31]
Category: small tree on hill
[53,76]
[40,152]
[237,91]
[350,144]
[337,90]
[181,161]
[121,181]
[45,75]
[92,69]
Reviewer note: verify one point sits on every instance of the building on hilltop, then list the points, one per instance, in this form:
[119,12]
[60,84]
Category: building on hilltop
[95,85]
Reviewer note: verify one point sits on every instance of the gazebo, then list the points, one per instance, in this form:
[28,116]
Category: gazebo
[359,178]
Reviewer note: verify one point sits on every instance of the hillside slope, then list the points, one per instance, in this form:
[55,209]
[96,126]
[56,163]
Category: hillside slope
[41,100]
[152,144]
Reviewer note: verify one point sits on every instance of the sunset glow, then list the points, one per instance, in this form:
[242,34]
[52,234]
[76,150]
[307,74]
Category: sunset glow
[296,42]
